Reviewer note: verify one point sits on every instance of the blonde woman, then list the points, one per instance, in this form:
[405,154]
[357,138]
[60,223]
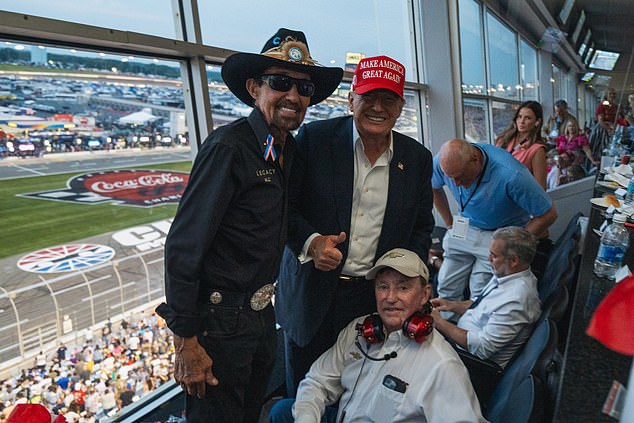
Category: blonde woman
[574,141]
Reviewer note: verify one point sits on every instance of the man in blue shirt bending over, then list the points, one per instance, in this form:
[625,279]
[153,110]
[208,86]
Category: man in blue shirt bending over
[493,190]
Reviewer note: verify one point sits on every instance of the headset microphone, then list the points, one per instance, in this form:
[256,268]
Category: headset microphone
[385,357]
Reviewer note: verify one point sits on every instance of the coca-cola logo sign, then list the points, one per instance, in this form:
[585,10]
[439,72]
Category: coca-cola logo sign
[141,188]
[136,182]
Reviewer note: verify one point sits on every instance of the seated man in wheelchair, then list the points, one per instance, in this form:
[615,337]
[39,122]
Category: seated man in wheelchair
[390,366]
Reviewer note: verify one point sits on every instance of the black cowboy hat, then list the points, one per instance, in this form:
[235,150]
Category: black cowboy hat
[288,49]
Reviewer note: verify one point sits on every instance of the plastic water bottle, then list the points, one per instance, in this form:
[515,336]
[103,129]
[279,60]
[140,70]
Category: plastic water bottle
[609,213]
[614,243]
[629,198]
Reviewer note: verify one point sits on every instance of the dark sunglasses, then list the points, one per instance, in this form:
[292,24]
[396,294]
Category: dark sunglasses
[284,83]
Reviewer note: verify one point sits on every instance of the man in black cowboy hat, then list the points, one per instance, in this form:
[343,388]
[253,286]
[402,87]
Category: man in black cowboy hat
[223,250]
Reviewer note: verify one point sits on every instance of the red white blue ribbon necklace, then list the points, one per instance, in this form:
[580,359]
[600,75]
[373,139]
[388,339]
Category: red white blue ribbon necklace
[269,151]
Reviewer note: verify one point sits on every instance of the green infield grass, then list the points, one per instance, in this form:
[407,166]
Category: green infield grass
[28,224]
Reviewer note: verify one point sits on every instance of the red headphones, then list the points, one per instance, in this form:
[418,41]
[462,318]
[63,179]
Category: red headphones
[418,327]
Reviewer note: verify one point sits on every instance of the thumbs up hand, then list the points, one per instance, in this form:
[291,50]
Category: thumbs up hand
[323,249]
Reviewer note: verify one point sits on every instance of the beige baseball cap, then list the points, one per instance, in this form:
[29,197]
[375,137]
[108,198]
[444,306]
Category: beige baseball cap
[404,261]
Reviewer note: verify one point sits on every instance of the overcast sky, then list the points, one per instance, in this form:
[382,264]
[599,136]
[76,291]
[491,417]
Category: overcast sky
[332,27]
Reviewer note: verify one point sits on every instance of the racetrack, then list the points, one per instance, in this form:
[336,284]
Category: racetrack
[55,290]
[85,161]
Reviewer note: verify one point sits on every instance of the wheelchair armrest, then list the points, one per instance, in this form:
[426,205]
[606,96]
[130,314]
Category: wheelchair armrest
[476,363]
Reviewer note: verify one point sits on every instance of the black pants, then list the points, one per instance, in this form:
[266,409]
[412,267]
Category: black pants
[242,345]
[352,299]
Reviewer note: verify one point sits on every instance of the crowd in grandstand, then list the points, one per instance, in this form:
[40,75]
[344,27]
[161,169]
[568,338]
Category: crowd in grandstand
[98,376]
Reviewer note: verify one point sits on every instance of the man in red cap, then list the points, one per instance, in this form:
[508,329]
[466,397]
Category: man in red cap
[223,250]
[358,189]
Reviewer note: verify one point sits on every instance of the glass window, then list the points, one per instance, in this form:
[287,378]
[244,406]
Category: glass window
[502,114]
[144,16]
[101,100]
[226,107]
[557,82]
[102,146]
[471,48]
[408,122]
[476,123]
[377,27]
[589,54]
[528,71]
[503,61]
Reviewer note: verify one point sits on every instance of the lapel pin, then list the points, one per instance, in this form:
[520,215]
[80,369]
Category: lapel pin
[400,165]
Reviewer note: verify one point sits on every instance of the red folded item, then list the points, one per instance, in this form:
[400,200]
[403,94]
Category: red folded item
[29,413]
[612,321]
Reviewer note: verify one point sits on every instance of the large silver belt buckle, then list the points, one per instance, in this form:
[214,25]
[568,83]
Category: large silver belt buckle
[261,298]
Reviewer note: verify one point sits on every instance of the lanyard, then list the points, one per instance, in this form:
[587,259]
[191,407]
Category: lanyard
[482,295]
[484,168]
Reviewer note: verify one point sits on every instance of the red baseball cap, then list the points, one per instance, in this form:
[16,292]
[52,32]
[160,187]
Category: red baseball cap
[373,73]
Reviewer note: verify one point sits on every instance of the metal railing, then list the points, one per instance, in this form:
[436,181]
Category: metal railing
[38,315]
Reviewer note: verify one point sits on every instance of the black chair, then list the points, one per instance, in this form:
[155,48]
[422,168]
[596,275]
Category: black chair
[484,374]
[543,338]
[556,305]
[572,232]
[548,370]
[562,263]
[572,229]
[525,403]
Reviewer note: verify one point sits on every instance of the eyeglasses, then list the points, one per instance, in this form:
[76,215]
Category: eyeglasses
[284,83]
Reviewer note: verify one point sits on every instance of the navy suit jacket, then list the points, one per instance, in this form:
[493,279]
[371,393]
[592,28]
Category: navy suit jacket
[320,200]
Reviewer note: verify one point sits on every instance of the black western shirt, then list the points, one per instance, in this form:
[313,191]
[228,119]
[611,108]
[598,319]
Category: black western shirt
[230,227]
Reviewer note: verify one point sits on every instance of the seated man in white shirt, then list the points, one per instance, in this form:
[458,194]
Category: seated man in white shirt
[498,322]
[387,367]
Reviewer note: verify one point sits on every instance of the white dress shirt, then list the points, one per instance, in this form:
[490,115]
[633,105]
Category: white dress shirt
[438,386]
[369,200]
[502,321]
